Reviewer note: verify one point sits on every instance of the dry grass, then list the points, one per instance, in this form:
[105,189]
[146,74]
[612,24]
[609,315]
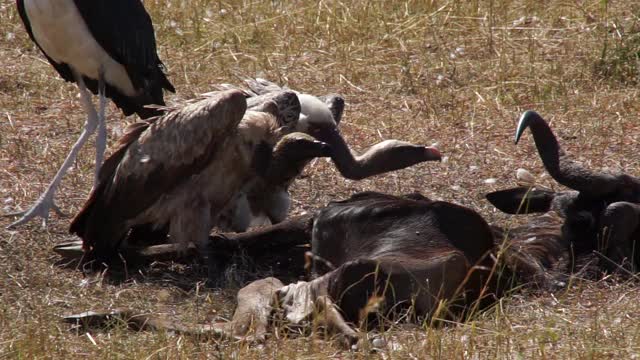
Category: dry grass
[453,72]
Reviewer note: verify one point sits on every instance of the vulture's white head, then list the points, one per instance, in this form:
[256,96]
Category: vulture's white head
[314,112]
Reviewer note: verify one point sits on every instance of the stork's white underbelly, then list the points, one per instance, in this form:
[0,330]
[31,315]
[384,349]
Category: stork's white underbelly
[63,35]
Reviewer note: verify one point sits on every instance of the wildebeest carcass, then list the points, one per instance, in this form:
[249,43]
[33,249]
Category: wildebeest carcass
[601,213]
[390,255]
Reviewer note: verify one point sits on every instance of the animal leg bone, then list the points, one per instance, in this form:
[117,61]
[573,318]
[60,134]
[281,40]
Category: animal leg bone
[329,316]
[144,322]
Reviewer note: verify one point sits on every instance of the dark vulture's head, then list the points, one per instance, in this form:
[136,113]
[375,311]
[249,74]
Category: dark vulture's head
[299,146]
[290,155]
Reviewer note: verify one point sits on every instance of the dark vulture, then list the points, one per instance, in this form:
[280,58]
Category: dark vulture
[266,199]
[601,212]
[107,46]
[319,117]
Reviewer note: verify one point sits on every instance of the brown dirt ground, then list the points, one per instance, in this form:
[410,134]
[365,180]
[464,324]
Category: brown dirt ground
[455,73]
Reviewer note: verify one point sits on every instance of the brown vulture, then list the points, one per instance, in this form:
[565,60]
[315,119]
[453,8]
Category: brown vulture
[177,173]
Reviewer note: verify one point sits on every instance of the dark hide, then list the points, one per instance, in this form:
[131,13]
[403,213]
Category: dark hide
[408,252]
[385,255]
[373,225]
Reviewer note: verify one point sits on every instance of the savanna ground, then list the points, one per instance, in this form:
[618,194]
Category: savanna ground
[453,72]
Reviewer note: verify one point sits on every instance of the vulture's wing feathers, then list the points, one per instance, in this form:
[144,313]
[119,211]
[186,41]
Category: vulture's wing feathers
[153,159]
[261,86]
[105,176]
[260,92]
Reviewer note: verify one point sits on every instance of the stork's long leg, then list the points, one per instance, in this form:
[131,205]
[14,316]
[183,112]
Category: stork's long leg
[101,136]
[45,201]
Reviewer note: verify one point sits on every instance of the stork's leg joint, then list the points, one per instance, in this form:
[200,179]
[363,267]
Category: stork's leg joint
[46,200]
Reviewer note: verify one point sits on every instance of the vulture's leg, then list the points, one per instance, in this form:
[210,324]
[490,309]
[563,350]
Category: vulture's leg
[280,201]
[383,157]
[620,223]
[45,202]
[191,227]
[272,244]
[241,215]
[291,232]
[101,135]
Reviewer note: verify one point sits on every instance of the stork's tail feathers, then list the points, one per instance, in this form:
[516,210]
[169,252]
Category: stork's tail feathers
[151,94]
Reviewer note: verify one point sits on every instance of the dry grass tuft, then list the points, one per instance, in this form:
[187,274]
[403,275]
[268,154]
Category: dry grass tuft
[457,73]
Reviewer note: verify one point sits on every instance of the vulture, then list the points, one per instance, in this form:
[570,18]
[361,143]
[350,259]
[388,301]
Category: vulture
[177,173]
[267,201]
[601,211]
[105,46]
[318,117]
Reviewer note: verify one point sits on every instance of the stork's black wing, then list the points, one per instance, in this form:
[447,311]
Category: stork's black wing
[124,30]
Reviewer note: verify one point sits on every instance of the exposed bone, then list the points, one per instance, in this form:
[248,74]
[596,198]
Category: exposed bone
[251,320]
[329,316]
[142,322]
[255,301]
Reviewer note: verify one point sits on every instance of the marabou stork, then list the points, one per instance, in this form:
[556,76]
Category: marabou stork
[107,46]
